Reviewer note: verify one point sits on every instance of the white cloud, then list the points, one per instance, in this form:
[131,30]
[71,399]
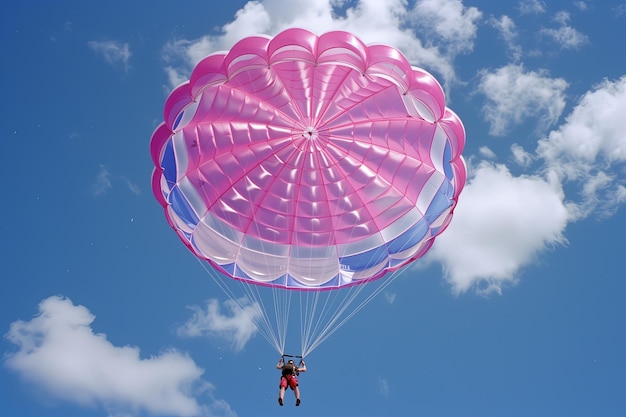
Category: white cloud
[521,156]
[515,95]
[181,55]
[58,351]
[565,35]
[134,188]
[532,6]
[501,223]
[102,184]
[255,18]
[487,153]
[452,22]
[506,27]
[448,22]
[113,52]
[619,10]
[383,386]
[590,147]
[508,32]
[237,327]
[390,297]
[581,5]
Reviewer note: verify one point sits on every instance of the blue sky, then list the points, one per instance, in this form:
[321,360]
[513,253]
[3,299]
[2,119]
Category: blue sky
[517,310]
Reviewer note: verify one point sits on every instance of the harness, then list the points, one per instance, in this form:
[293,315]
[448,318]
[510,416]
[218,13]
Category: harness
[290,369]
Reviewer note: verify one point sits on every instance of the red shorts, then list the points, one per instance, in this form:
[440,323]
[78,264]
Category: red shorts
[290,380]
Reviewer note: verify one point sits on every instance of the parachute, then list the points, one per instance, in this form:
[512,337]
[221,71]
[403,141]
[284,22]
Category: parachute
[307,167]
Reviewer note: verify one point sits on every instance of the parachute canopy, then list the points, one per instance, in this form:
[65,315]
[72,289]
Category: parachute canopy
[308,162]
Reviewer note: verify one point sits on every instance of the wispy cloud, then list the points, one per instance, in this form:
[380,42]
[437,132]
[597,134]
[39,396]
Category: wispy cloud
[115,53]
[390,297]
[58,352]
[565,35]
[508,32]
[521,156]
[236,326]
[619,10]
[102,183]
[486,153]
[134,188]
[581,5]
[383,387]
[532,6]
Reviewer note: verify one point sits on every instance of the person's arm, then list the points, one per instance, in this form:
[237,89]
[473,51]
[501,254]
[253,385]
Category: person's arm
[302,367]
[280,364]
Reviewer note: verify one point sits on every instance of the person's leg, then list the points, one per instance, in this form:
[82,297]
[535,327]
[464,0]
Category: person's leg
[281,392]
[293,384]
[296,392]
[281,395]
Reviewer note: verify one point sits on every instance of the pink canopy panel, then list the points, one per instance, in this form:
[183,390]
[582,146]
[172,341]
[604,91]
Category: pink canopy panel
[308,162]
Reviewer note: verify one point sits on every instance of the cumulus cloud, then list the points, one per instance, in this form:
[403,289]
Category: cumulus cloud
[113,52]
[447,22]
[501,223]
[454,24]
[589,149]
[237,326]
[58,352]
[514,95]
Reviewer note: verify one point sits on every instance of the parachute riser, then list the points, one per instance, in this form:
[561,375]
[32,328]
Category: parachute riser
[284,355]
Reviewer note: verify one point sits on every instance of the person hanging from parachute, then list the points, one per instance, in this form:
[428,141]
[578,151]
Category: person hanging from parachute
[289,378]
